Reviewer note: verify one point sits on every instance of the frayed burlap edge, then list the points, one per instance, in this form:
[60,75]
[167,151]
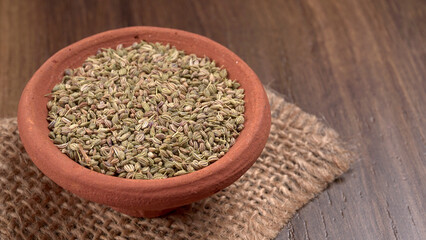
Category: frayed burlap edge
[301,157]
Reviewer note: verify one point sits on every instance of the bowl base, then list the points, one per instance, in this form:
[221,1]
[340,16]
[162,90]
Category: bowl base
[143,213]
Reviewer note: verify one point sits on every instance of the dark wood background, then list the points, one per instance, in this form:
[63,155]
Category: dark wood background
[358,65]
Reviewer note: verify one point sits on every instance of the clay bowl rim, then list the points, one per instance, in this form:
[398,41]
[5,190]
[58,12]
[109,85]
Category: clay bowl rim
[154,193]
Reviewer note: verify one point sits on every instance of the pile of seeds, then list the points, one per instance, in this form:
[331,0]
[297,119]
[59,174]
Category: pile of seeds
[146,111]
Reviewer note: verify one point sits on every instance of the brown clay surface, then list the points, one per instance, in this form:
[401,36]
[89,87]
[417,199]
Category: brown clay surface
[142,197]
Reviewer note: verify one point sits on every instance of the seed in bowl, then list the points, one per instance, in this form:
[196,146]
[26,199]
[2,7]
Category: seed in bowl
[147,111]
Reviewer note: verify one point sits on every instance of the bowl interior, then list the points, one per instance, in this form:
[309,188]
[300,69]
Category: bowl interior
[111,190]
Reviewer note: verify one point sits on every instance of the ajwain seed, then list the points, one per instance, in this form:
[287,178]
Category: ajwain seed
[145,111]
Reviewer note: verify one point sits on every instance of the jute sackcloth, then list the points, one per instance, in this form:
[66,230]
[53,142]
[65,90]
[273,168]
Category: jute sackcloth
[301,157]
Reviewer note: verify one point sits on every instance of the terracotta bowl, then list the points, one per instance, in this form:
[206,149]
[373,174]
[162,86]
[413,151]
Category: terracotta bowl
[142,198]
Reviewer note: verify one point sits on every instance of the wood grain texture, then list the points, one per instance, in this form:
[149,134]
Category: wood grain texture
[360,65]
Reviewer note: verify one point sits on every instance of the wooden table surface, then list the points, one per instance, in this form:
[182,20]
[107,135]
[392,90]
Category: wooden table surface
[358,65]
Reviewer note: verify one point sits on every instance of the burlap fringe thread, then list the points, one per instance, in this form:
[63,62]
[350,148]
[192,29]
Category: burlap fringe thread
[301,157]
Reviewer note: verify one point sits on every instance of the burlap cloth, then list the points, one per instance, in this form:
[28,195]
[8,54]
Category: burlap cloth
[301,157]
